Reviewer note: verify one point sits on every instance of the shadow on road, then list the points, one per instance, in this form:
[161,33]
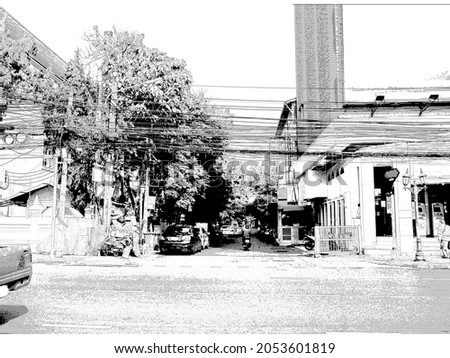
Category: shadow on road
[10,312]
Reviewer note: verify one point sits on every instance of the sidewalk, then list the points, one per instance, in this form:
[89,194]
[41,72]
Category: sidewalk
[328,261]
[432,262]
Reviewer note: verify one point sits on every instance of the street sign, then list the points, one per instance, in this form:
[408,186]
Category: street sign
[392,174]
[97,174]
[151,203]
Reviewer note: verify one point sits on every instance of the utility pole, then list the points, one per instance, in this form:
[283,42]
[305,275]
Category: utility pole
[62,196]
[269,180]
[65,160]
[136,246]
[112,111]
[109,168]
[98,114]
[54,208]
[146,188]
[3,73]
[146,193]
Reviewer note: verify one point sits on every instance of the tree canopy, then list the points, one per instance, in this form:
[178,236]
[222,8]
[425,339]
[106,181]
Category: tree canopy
[123,101]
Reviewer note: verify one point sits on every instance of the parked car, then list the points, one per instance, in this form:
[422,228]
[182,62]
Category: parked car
[180,238]
[227,230]
[15,267]
[204,237]
[215,236]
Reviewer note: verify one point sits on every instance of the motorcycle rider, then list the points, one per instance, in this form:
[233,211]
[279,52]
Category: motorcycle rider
[246,241]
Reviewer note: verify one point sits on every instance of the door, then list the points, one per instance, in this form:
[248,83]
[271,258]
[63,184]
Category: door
[382,193]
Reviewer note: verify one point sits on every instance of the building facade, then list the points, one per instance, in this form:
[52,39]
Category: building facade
[366,176]
[23,166]
[361,166]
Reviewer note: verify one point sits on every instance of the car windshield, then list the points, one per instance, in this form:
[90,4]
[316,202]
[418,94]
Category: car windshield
[176,230]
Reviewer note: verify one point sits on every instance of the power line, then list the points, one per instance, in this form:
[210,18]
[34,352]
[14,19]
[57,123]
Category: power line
[246,87]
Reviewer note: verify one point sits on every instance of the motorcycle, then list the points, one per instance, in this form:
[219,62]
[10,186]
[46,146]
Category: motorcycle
[309,242]
[246,243]
[116,245]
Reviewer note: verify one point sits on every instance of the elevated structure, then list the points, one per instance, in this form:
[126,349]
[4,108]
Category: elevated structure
[319,63]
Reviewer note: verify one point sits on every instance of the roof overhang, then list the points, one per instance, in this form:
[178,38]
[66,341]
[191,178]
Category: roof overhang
[27,191]
[290,207]
[421,105]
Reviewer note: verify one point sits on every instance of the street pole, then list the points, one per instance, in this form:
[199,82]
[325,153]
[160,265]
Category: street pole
[419,253]
[406,179]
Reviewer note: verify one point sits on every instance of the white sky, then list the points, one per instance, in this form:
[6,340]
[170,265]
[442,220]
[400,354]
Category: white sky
[251,43]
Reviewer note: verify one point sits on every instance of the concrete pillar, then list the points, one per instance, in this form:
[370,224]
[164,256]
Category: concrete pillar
[367,205]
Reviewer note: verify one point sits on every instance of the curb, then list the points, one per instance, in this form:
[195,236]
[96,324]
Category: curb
[99,261]
[417,265]
[108,261]
[93,264]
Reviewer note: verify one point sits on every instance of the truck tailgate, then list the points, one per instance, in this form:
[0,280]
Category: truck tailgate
[14,258]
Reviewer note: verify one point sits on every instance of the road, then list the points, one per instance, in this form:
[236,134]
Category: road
[227,290]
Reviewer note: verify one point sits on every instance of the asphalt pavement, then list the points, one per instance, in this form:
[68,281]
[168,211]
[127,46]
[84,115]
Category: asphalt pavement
[227,290]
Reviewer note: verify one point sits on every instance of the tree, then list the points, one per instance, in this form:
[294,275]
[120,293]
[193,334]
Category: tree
[120,99]
[264,207]
[159,121]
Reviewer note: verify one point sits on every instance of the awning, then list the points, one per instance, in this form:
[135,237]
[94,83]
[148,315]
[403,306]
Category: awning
[287,207]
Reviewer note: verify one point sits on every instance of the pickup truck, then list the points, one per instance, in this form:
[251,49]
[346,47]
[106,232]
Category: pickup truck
[15,267]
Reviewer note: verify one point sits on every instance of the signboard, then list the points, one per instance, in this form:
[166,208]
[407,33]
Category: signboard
[151,203]
[392,174]
[97,174]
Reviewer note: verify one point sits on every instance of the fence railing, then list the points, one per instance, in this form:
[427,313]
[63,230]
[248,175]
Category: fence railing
[337,239]
[293,234]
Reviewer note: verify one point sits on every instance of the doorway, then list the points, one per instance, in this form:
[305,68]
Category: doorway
[383,192]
